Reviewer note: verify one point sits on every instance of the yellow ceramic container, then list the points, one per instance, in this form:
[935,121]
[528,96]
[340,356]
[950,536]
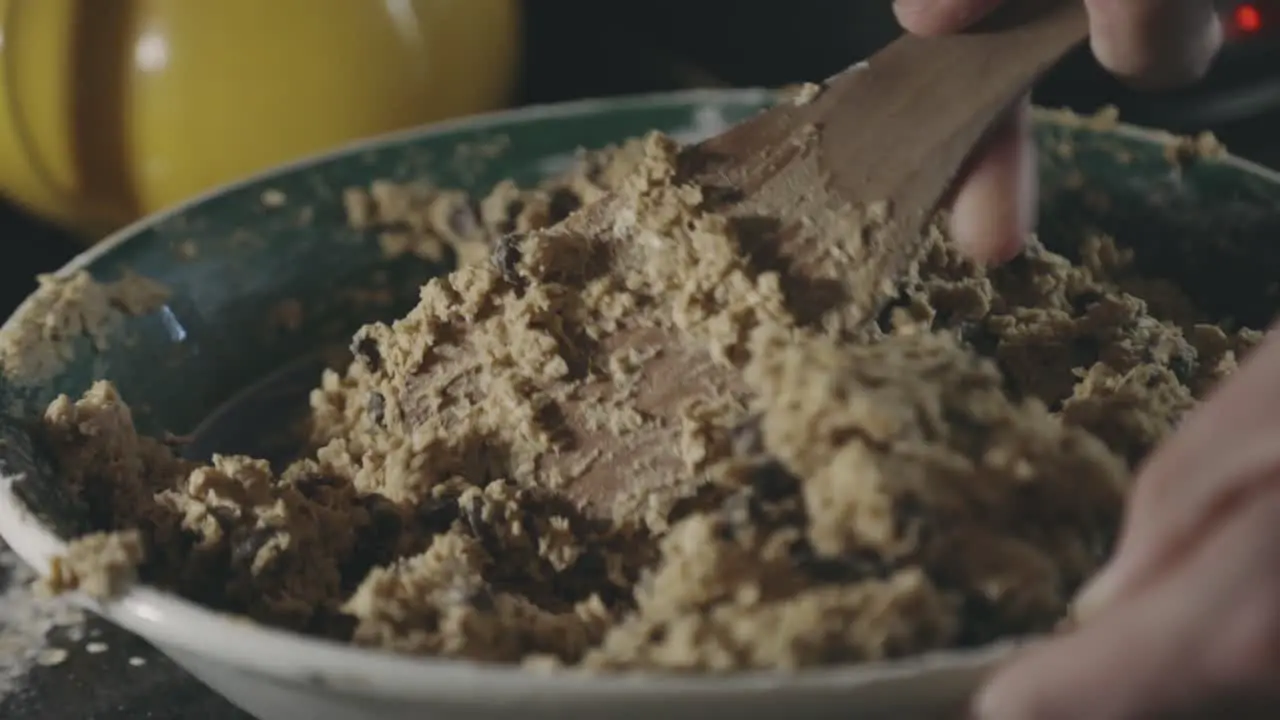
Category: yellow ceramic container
[111,109]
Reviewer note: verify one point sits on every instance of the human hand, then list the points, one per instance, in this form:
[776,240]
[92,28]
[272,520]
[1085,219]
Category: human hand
[1150,44]
[1186,617]
[1185,621]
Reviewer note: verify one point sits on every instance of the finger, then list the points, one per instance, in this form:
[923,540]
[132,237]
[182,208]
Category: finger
[1201,637]
[1155,44]
[994,209]
[940,17]
[1218,458]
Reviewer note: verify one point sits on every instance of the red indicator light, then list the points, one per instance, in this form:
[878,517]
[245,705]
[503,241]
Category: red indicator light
[1248,19]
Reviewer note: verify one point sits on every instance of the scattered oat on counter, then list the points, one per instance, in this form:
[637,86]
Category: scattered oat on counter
[950,477]
[52,657]
[38,338]
[26,621]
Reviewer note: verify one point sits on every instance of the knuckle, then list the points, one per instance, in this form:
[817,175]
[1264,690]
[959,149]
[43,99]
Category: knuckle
[940,17]
[1155,44]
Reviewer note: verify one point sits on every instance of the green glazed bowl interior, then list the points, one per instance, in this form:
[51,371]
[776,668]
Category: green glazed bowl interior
[230,258]
[235,258]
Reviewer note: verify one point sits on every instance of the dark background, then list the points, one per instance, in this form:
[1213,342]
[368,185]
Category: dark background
[583,48]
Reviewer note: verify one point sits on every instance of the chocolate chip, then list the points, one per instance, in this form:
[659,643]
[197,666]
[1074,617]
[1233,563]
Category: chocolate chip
[833,570]
[836,568]
[1184,363]
[771,481]
[366,350]
[376,405]
[588,576]
[1081,303]
[225,516]
[481,599]
[716,195]
[530,528]
[506,258]
[377,541]
[310,485]
[591,563]
[978,338]
[513,210]
[1019,265]
[1086,348]
[724,530]
[801,552]
[385,521]
[908,515]
[562,204]
[437,516]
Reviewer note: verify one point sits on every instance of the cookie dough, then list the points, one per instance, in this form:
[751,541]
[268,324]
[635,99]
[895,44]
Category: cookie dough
[950,479]
[101,565]
[64,309]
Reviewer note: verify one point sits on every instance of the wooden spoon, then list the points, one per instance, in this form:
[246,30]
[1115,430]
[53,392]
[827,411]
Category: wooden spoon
[894,132]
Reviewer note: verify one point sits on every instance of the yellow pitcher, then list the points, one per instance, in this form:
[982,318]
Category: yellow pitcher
[112,109]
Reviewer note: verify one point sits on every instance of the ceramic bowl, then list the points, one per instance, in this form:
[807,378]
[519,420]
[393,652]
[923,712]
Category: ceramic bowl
[231,258]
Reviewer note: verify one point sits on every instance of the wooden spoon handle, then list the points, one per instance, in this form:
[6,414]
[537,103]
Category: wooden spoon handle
[901,126]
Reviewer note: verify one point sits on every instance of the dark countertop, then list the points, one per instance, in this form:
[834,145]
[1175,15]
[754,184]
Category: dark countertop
[107,685]
[127,681]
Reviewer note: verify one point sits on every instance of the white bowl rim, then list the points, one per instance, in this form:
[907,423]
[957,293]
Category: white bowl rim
[171,621]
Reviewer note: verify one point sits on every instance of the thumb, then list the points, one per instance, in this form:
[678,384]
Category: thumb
[1218,459]
[1201,637]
